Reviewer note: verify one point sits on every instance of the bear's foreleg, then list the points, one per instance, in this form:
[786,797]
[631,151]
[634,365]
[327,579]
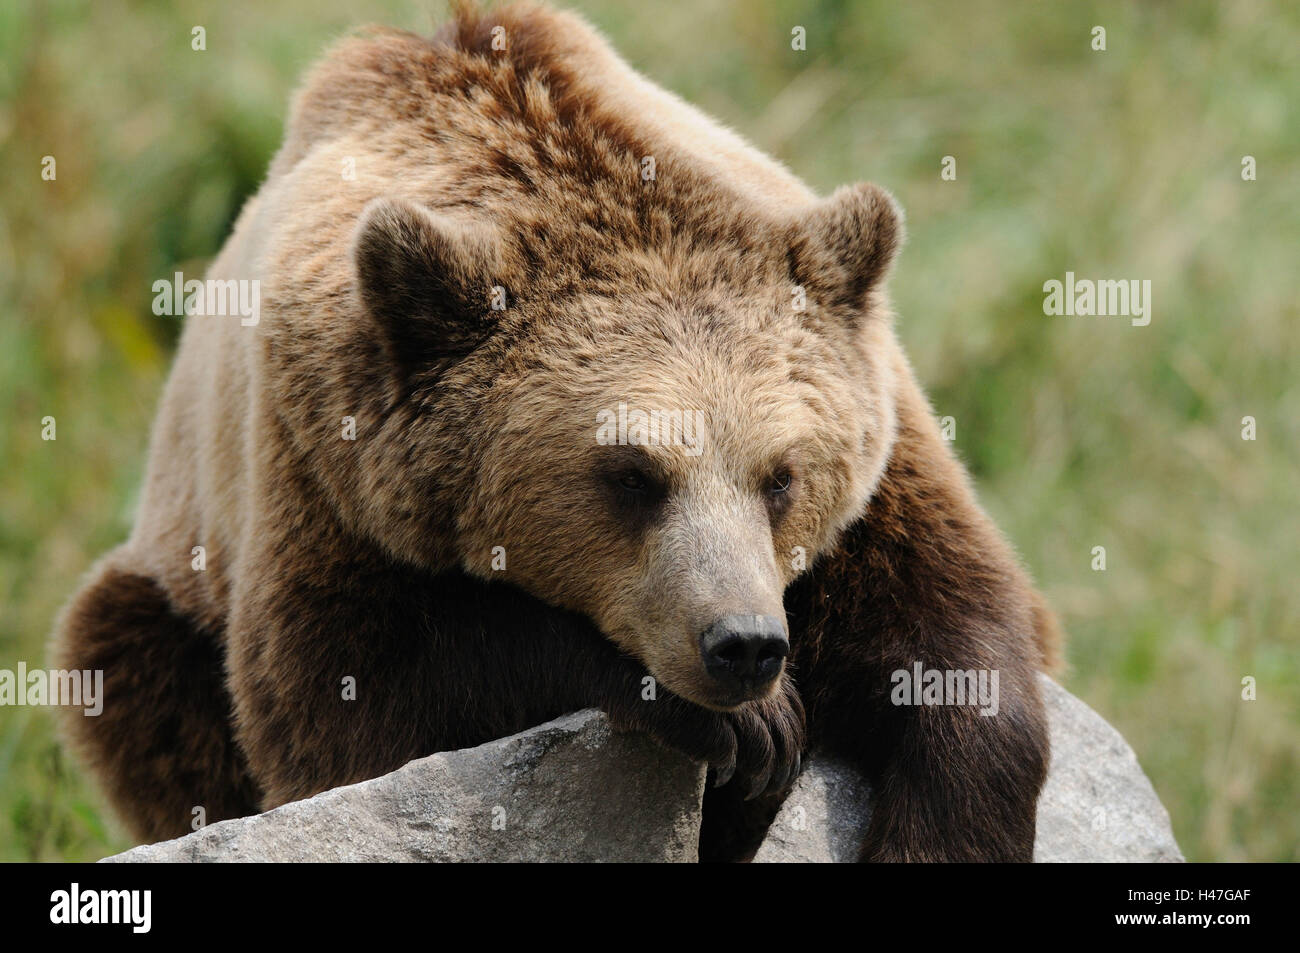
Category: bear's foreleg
[162,747]
[370,666]
[923,583]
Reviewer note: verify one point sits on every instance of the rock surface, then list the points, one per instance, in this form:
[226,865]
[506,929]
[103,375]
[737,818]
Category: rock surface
[1097,805]
[575,790]
[569,790]
[825,818]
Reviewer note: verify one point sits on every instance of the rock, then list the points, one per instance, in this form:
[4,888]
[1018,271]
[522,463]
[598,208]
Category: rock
[575,790]
[1097,805]
[824,819]
[569,790]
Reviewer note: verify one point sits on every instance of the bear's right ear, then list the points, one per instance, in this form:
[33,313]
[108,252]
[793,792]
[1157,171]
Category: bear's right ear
[427,279]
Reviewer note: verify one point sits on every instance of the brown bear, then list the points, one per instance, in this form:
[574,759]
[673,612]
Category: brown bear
[558,395]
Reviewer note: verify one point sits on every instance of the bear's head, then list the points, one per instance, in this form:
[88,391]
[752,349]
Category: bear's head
[656,424]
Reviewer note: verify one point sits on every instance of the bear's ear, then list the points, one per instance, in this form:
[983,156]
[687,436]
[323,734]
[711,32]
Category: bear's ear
[427,279]
[844,248]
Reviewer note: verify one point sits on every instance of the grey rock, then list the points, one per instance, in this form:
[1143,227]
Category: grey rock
[569,790]
[575,790]
[825,818]
[1097,805]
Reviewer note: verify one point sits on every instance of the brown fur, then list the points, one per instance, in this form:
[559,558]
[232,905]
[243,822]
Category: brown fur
[520,170]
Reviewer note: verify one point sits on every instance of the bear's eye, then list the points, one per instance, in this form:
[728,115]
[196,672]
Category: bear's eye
[780,483]
[634,481]
[636,492]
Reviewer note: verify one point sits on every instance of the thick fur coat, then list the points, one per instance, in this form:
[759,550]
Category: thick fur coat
[534,233]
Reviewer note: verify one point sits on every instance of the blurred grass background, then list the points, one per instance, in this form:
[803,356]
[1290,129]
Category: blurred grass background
[1081,432]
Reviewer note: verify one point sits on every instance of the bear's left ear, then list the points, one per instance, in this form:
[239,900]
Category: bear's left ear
[427,279]
[844,248]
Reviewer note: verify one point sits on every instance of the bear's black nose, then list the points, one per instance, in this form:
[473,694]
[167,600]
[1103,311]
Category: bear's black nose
[744,652]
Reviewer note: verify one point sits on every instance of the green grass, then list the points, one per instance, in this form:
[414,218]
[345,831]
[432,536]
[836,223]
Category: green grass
[1080,431]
